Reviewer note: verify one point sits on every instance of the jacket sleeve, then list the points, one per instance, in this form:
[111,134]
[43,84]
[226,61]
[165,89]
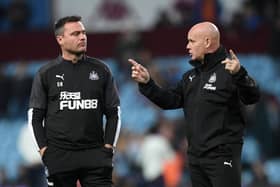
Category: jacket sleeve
[37,111]
[247,87]
[112,112]
[165,98]
[35,123]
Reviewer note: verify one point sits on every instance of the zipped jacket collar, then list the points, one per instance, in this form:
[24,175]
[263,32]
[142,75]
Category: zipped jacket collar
[210,60]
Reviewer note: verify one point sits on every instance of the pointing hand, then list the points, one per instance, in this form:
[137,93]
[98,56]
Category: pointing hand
[233,64]
[138,72]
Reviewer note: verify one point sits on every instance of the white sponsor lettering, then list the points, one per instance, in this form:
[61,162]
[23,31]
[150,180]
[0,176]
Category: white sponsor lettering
[69,95]
[78,104]
[73,101]
[208,86]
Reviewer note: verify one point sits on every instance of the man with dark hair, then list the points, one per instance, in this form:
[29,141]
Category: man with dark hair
[69,97]
[212,95]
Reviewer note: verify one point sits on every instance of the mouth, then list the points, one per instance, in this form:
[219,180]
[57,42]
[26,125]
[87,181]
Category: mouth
[82,44]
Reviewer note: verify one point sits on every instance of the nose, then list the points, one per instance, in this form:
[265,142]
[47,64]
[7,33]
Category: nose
[83,36]
[187,47]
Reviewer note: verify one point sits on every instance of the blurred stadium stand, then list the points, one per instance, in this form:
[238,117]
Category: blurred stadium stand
[160,45]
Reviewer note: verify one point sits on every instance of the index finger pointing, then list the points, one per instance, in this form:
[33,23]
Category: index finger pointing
[132,62]
[232,54]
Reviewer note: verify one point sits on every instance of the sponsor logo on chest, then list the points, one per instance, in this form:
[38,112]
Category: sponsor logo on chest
[73,101]
[210,84]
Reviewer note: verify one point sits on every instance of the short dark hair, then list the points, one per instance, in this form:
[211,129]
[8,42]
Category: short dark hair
[59,24]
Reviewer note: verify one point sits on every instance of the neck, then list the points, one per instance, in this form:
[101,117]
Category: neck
[214,48]
[74,58]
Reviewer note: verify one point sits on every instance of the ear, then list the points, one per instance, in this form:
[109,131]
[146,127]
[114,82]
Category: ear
[207,42]
[59,39]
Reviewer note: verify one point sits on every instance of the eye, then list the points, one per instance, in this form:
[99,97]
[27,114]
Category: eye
[76,33]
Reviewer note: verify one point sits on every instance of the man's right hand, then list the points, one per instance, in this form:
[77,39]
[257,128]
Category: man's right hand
[42,151]
[138,72]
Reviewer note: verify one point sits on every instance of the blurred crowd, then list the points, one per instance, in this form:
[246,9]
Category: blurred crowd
[151,151]
[22,15]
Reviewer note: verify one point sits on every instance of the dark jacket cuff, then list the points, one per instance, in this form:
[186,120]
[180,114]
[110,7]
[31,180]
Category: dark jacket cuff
[240,74]
[146,85]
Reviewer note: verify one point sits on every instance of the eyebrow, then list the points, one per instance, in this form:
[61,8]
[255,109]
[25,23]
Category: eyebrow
[78,31]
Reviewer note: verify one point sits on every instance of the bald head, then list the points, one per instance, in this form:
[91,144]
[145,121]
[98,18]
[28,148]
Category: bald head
[204,38]
[208,31]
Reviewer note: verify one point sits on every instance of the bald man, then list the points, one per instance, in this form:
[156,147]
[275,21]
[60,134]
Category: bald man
[212,95]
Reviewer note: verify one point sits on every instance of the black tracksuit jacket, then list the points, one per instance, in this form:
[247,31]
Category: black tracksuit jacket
[68,102]
[212,100]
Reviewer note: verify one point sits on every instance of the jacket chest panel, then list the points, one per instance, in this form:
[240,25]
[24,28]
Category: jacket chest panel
[207,87]
[83,80]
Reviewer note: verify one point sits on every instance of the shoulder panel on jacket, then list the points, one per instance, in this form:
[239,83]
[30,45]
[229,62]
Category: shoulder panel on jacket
[51,64]
[98,62]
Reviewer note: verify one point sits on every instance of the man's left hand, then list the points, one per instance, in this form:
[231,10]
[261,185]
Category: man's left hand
[233,64]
